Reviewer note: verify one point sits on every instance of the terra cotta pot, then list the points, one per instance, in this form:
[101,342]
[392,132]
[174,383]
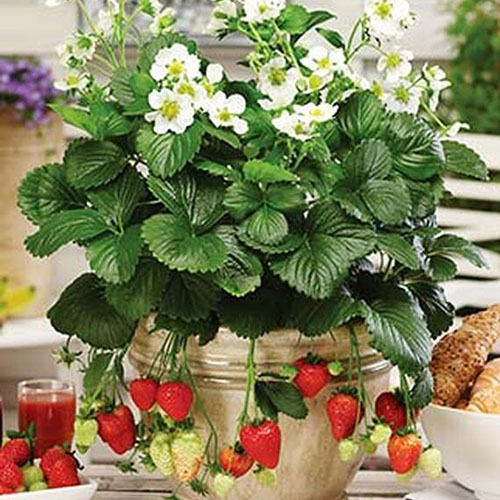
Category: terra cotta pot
[310,468]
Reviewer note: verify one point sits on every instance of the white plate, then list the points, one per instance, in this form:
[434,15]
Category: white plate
[85,491]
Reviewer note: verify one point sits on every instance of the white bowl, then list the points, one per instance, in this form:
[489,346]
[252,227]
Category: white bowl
[470,444]
[85,491]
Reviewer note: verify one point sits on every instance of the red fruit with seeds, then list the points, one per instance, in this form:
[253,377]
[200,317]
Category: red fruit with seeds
[63,474]
[4,490]
[235,462]
[175,399]
[262,442]
[11,475]
[312,375]
[50,457]
[143,393]
[344,412]
[404,452]
[117,429]
[390,408]
[17,451]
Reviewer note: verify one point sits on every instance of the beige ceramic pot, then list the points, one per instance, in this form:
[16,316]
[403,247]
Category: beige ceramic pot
[22,149]
[310,468]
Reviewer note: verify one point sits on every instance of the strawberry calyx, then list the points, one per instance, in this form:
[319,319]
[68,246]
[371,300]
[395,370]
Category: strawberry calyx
[313,359]
[349,390]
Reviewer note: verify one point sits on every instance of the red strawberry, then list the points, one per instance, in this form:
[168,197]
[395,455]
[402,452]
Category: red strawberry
[17,451]
[390,408]
[11,475]
[175,399]
[143,393]
[342,409]
[235,462]
[63,473]
[117,429]
[4,490]
[262,442]
[404,452]
[50,457]
[312,375]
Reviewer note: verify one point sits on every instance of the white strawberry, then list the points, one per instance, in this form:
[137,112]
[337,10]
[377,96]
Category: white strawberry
[188,450]
[431,463]
[85,434]
[223,484]
[381,434]
[161,454]
[266,477]
[406,477]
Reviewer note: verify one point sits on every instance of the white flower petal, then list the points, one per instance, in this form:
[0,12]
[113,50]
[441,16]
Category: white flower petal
[236,104]
[215,73]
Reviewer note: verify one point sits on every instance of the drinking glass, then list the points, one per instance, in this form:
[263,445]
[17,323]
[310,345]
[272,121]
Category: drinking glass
[51,406]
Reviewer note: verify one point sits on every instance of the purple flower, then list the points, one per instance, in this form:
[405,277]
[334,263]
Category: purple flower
[29,86]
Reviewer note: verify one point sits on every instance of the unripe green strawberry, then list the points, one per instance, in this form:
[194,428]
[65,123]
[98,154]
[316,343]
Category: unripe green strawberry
[431,463]
[39,486]
[368,446]
[348,449]
[161,454]
[407,476]
[381,434]
[32,474]
[85,434]
[266,477]
[223,484]
[188,449]
[289,371]
[335,368]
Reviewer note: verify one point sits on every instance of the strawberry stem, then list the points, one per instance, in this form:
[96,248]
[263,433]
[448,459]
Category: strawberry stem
[250,385]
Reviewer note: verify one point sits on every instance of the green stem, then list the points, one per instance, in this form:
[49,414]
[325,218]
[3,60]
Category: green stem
[250,384]
[406,394]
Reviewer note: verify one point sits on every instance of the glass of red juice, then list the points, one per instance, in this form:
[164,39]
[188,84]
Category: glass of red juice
[51,406]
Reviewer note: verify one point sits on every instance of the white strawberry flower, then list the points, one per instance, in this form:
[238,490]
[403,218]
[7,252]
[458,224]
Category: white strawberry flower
[395,64]
[163,22]
[278,83]
[74,80]
[175,62]
[454,129]
[403,97]
[194,91]
[324,62]
[388,18]
[215,73]
[77,50]
[172,111]
[223,10]
[316,112]
[258,11]
[316,82]
[294,125]
[225,111]
[436,79]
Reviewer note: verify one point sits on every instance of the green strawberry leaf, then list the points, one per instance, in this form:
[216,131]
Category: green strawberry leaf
[460,159]
[92,319]
[397,247]
[261,171]
[96,370]
[63,228]
[285,397]
[422,390]
[267,226]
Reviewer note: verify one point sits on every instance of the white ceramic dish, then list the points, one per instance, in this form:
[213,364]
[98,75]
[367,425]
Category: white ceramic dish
[85,491]
[470,444]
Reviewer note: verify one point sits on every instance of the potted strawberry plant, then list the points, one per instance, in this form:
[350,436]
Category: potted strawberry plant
[251,243]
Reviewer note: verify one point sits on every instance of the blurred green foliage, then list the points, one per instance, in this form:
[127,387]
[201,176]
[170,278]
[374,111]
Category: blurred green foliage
[475,73]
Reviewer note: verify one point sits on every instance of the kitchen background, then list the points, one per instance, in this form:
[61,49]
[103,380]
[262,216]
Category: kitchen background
[25,349]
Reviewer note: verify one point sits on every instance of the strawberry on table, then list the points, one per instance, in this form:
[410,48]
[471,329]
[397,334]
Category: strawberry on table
[175,399]
[143,393]
[63,473]
[312,375]
[11,476]
[50,457]
[262,442]
[17,451]
[404,452]
[4,490]
[235,461]
[390,408]
[344,412]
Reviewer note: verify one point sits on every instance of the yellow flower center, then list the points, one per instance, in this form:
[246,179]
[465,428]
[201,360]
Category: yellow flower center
[402,95]
[277,77]
[72,80]
[316,113]
[176,68]
[324,63]
[263,8]
[225,115]
[209,88]
[378,90]
[393,60]
[187,89]
[315,82]
[170,109]
[383,9]
[299,129]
